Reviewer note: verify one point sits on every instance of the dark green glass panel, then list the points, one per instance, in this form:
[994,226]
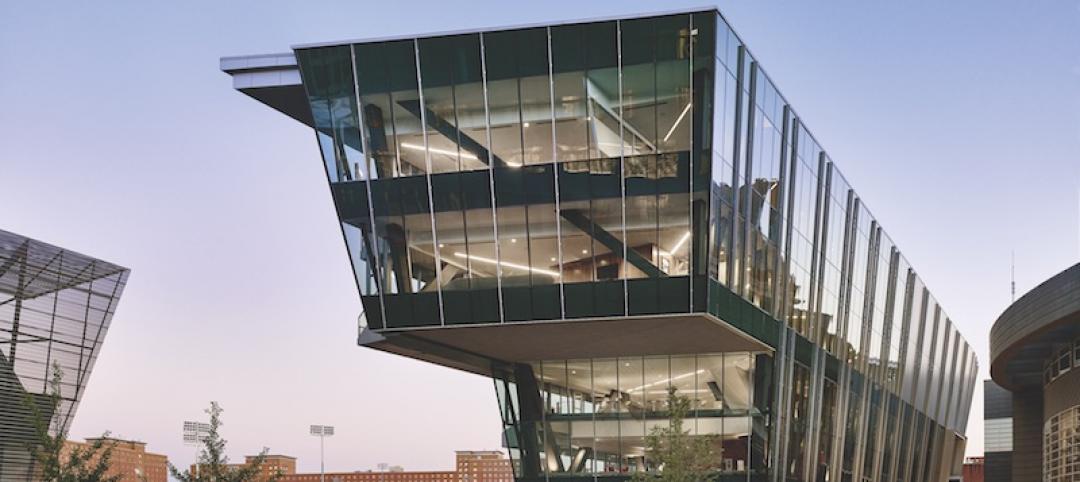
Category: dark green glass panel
[517,303]
[446,193]
[425,309]
[351,199]
[545,302]
[609,298]
[399,310]
[485,303]
[373,312]
[643,296]
[457,307]
[700,300]
[579,300]
[674,294]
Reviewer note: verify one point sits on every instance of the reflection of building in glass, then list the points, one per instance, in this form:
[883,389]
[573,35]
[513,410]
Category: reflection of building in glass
[55,308]
[593,213]
[470,466]
[1035,353]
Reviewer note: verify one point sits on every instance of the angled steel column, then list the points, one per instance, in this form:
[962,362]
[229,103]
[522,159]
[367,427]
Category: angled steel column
[582,222]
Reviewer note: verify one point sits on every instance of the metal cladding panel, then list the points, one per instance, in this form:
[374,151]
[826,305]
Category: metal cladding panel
[1025,333]
[55,309]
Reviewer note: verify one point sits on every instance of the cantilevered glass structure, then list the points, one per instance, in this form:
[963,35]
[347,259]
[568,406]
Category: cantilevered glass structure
[592,213]
[55,308]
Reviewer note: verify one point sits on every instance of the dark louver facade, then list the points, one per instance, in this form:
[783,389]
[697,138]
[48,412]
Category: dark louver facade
[594,213]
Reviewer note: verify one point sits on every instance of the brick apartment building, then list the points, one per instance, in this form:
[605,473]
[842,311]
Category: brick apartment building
[130,460]
[974,469]
[470,466]
[272,465]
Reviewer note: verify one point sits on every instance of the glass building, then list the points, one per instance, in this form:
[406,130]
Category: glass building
[592,213]
[55,308]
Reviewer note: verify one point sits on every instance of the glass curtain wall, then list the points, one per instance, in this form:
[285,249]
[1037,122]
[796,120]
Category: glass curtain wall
[596,413]
[514,175]
[550,172]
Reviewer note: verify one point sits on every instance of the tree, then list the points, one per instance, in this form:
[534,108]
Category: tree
[677,455]
[81,464]
[212,465]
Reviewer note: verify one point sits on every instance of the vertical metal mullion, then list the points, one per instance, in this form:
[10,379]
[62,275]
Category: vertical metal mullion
[785,384]
[779,361]
[873,271]
[905,333]
[622,178]
[791,193]
[839,424]
[556,168]
[812,305]
[690,194]
[887,319]
[735,251]
[427,177]
[851,222]
[888,388]
[367,181]
[748,203]
[861,428]
[749,418]
[817,253]
[491,178]
[817,392]
[780,276]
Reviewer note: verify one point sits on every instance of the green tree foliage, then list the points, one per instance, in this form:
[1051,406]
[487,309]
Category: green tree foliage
[212,464]
[675,455]
[80,464]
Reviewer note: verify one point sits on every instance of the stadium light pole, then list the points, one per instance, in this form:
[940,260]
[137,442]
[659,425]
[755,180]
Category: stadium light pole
[195,433]
[322,431]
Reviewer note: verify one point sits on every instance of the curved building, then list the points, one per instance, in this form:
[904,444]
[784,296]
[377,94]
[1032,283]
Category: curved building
[1035,353]
[594,213]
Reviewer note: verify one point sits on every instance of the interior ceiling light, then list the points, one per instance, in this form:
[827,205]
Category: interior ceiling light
[682,241]
[435,150]
[481,259]
[677,121]
[661,382]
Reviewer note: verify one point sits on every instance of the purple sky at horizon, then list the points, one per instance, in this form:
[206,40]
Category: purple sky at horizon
[957,122]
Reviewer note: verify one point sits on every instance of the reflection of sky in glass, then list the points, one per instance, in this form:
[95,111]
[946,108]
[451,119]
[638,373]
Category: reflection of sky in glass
[220,206]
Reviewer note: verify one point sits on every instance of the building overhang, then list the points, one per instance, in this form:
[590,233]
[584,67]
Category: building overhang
[475,348]
[274,80]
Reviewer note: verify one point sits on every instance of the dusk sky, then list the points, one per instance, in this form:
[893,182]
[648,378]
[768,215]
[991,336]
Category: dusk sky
[957,122]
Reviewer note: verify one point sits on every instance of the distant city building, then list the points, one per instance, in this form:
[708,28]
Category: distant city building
[388,476]
[470,466]
[272,465]
[997,432]
[973,470]
[130,460]
[55,309]
[593,213]
[1035,355]
[487,466]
